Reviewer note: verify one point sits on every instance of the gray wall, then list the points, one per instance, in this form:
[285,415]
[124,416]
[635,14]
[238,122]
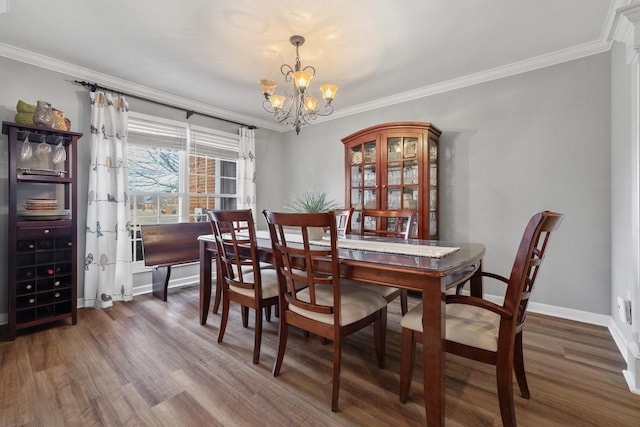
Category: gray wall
[512,147]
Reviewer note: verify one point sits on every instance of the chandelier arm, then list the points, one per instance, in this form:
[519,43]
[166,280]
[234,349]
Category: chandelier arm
[326,110]
[266,104]
[310,67]
[287,72]
[307,117]
[282,116]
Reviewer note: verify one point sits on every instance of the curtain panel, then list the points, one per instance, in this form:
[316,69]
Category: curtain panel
[108,273]
[247,170]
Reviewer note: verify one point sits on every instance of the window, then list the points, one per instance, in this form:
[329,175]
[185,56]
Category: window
[177,172]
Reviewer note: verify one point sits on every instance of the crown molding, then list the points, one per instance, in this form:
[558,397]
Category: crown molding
[524,66]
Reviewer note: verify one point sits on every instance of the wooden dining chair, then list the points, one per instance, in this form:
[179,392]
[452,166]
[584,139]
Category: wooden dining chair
[343,221]
[243,279]
[323,307]
[484,331]
[398,223]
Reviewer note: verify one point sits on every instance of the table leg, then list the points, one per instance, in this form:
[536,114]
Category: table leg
[475,283]
[433,326]
[205,281]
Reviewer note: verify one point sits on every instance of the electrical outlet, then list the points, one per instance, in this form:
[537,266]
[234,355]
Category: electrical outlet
[624,310]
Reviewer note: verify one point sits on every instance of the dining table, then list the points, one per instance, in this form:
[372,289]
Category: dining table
[428,267]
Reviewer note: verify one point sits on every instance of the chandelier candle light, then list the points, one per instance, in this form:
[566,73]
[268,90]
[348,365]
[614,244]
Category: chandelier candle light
[296,109]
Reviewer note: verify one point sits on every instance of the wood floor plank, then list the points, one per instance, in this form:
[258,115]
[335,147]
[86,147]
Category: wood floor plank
[17,387]
[150,363]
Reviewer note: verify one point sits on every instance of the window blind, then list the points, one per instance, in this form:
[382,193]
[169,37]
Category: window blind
[142,131]
[218,144]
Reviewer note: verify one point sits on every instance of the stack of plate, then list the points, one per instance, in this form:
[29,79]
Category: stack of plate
[43,210]
[41,204]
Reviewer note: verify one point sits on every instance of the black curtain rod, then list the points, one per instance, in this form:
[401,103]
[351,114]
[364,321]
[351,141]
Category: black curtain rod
[189,113]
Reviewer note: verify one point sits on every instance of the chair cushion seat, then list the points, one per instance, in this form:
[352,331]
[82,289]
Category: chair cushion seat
[355,304]
[269,280]
[384,291]
[465,324]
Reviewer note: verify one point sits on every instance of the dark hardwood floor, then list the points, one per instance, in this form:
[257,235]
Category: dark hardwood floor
[151,363]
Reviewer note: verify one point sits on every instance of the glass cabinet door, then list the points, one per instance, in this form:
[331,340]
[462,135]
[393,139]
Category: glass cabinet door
[402,173]
[433,189]
[363,176]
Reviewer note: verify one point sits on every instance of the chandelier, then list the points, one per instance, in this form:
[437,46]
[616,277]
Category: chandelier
[296,108]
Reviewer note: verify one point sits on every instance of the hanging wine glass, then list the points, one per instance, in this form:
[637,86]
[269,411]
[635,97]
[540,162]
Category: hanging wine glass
[26,151]
[59,153]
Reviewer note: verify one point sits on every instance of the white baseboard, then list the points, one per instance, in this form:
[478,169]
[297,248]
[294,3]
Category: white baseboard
[173,284]
[561,312]
[631,356]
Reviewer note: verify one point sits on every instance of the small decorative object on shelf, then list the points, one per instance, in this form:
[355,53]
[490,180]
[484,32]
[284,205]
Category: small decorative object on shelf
[42,225]
[62,123]
[43,116]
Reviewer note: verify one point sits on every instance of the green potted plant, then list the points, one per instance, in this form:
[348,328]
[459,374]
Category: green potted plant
[312,202]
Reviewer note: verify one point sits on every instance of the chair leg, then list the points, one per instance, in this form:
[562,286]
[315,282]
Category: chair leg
[245,316]
[335,392]
[223,320]
[283,331]
[258,335]
[518,366]
[407,363]
[404,301]
[505,391]
[267,313]
[218,293]
[380,337]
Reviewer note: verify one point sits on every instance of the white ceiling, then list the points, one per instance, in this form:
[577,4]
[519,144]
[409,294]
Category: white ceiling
[378,52]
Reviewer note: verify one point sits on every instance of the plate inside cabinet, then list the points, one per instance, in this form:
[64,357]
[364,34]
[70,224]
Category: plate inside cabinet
[44,215]
[46,172]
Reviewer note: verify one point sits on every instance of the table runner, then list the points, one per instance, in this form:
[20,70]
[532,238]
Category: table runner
[374,245]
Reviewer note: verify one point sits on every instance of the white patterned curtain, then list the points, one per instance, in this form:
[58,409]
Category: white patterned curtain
[108,274]
[247,170]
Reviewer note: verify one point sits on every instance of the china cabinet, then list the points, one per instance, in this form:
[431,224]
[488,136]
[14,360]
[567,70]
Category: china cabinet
[42,234]
[395,166]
